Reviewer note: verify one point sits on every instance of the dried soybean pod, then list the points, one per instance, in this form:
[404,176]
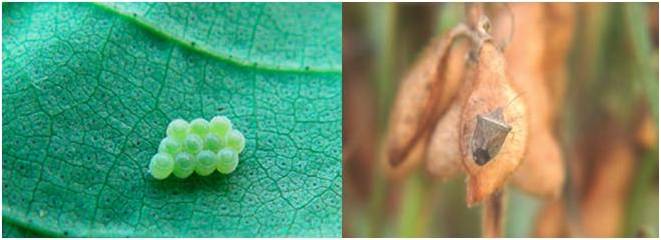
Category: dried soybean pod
[491,91]
[551,221]
[603,205]
[423,96]
[560,22]
[443,157]
[646,131]
[542,169]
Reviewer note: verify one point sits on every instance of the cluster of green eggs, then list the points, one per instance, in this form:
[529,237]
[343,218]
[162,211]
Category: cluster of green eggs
[200,146]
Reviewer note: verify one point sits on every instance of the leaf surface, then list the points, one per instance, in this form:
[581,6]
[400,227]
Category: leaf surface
[89,89]
[281,36]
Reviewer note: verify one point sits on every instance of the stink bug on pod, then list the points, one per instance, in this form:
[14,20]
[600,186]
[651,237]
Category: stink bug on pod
[200,146]
[490,133]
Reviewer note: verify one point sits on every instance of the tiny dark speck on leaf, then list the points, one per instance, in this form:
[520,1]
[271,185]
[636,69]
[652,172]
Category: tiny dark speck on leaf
[192,44]
[307,68]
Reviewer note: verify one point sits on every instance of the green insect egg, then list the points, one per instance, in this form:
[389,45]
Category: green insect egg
[220,125]
[199,126]
[170,146]
[235,140]
[228,160]
[178,129]
[206,163]
[184,165]
[193,144]
[200,146]
[213,143]
[161,166]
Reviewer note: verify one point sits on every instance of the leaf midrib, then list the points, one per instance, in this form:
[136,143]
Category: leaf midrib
[212,54]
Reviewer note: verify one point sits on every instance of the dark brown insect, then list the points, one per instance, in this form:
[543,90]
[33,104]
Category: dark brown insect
[489,136]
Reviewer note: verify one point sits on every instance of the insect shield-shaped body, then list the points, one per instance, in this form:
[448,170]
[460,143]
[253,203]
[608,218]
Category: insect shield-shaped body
[489,136]
[200,146]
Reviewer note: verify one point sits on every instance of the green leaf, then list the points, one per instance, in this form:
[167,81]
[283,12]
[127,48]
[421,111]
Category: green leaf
[88,91]
[280,36]
[9,231]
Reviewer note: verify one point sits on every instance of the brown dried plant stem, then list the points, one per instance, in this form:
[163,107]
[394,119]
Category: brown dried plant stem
[492,215]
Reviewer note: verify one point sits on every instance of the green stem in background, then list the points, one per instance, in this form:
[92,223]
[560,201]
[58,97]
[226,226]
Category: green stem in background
[522,210]
[450,15]
[635,15]
[454,219]
[377,204]
[414,212]
[381,32]
[382,28]
[643,75]
[642,189]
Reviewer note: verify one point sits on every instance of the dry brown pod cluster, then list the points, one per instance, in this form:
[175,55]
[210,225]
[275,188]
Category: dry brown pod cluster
[469,106]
